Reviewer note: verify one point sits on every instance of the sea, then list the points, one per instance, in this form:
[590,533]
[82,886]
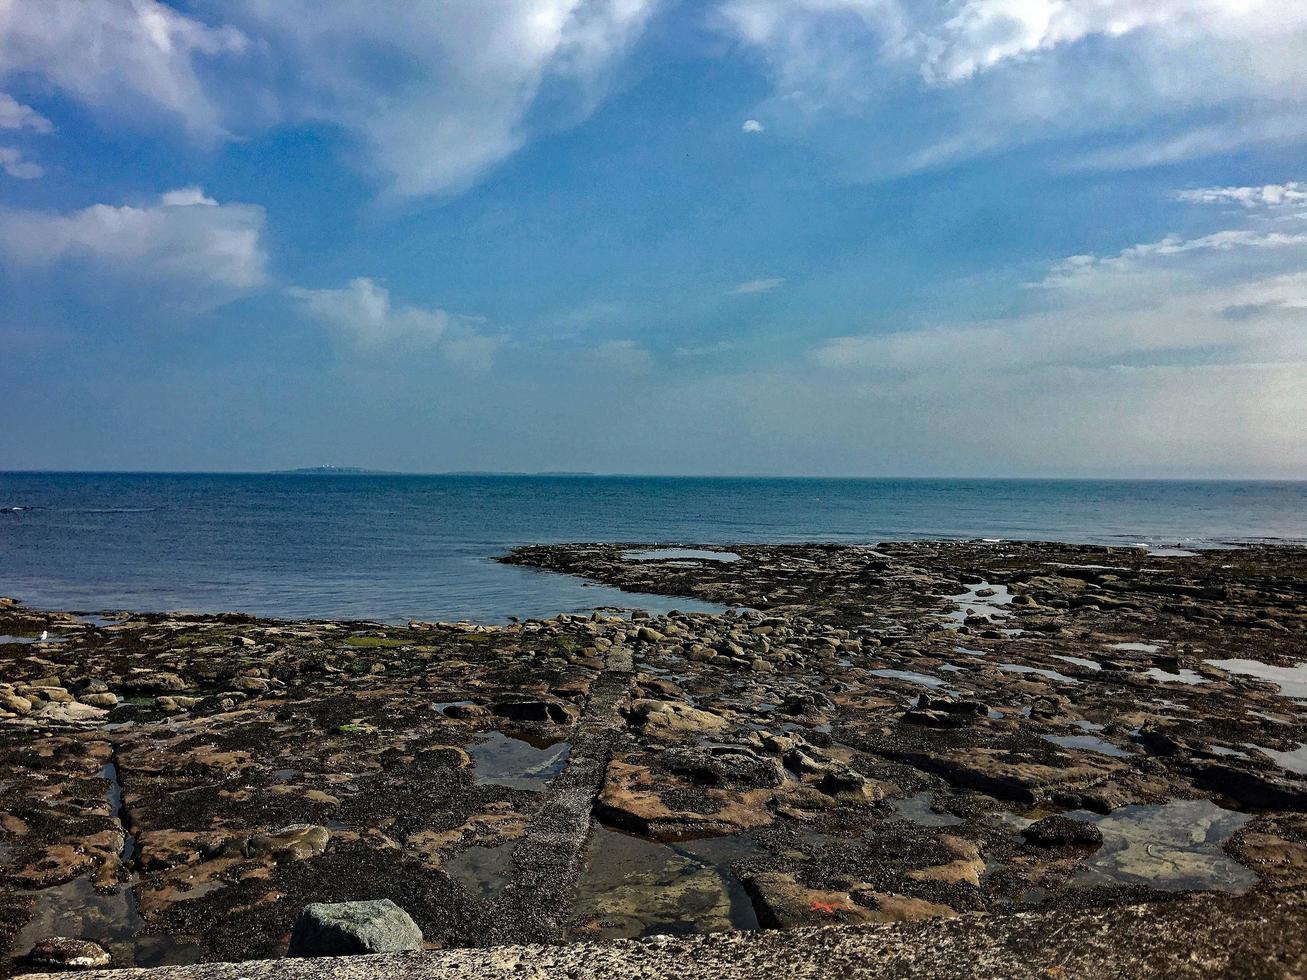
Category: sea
[394,548]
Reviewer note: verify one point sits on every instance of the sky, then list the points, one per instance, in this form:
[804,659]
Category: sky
[781,237]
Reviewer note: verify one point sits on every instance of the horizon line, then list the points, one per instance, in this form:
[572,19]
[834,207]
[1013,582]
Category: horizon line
[584,475]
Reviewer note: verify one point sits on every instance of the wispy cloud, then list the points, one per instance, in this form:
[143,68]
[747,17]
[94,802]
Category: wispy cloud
[15,115]
[1000,74]
[753,126]
[434,92]
[624,356]
[17,166]
[363,314]
[758,286]
[1160,302]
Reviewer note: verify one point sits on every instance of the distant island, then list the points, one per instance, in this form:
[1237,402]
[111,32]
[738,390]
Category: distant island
[360,471]
[332,471]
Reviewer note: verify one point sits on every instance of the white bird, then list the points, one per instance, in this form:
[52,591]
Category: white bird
[45,635]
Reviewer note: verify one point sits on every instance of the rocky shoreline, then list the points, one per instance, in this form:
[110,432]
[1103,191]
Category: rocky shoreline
[909,732]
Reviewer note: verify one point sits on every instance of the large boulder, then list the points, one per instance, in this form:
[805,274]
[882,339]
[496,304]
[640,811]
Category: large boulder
[349,928]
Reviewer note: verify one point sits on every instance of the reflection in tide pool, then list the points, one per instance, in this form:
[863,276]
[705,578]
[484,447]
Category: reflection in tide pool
[1090,743]
[679,554]
[483,871]
[1294,760]
[1173,847]
[919,809]
[501,760]
[632,887]
[1292,680]
[911,676]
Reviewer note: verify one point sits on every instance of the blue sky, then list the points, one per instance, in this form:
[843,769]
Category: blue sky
[863,237]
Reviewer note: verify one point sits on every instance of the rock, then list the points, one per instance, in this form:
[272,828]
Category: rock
[1060,831]
[782,903]
[349,928]
[466,711]
[673,717]
[1252,789]
[1006,775]
[966,869]
[79,954]
[56,695]
[295,843]
[145,683]
[252,685]
[842,783]
[175,704]
[69,712]
[726,766]
[647,634]
[99,699]
[630,799]
[933,711]
[16,703]
[537,709]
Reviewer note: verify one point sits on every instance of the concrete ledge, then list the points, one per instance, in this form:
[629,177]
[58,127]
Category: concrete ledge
[1254,936]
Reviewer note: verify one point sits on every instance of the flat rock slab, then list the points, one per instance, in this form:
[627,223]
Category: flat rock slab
[1203,936]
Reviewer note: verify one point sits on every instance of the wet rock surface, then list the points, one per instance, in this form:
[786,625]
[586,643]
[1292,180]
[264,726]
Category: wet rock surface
[898,733]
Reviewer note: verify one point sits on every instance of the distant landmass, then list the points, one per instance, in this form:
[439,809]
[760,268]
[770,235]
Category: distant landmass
[517,473]
[333,471]
[360,471]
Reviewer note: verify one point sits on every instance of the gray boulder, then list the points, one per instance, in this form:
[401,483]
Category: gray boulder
[348,928]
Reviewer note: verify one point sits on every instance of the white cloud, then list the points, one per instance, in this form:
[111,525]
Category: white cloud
[753,126]
[15,115]
[1292,194]
[1172,353]
[15,165]
[209,253]
[626,356]
[1079,267]
[362,313]
[758,286]
[1199,76]
[437,91]
[985,33]
[118,55]
[186,197]
[1171,299]
[433,92]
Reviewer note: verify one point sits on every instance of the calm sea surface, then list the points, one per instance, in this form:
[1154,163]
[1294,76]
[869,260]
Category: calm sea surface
[395,547]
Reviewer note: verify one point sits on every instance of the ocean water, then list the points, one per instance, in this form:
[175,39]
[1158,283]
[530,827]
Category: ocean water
[398,547]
